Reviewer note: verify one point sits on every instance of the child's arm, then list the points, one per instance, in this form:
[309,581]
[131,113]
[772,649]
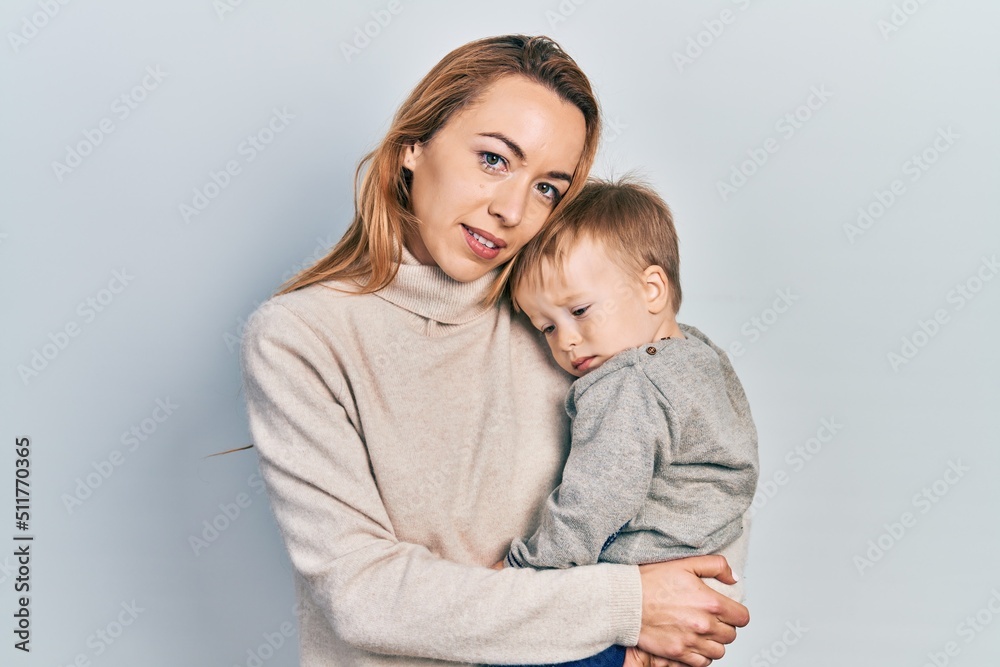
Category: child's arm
[618,427]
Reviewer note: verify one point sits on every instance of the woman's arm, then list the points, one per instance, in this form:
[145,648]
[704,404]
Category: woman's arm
[387,596]
[381,594]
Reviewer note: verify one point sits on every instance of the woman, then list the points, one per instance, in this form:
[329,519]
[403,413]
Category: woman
[409,426]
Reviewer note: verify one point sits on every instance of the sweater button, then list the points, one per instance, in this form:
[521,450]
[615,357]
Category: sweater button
[650,350]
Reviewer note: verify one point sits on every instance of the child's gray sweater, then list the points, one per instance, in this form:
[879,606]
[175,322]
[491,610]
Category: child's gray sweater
[663,461]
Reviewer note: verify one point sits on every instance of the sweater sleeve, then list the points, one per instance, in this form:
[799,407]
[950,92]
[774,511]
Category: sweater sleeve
[617,429]
[378,593]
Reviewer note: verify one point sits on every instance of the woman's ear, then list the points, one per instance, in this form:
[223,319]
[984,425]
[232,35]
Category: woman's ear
[656,287]
[411,155]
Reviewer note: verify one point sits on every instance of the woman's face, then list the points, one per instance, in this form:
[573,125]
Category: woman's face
[496,169]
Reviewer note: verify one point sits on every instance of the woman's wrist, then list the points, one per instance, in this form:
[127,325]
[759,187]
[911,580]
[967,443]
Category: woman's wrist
[625,591]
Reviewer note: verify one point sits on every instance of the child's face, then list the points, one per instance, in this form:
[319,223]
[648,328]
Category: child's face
[592,312]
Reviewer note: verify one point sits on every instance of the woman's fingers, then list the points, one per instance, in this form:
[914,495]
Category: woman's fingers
[663,662]
[720,632]
[714,566]
[703,652]
[730,612]
[636,657]
[684,620]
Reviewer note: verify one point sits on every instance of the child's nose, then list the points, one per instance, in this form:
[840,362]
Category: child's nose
[568,338]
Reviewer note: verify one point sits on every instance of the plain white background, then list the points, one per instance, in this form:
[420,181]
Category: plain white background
[766,126]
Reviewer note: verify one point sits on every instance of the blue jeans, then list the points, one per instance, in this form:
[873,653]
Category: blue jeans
[613,656]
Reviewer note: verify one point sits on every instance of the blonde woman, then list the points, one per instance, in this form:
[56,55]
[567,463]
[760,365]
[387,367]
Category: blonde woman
[409,425]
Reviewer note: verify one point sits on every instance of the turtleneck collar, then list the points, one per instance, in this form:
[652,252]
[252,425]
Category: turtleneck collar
[430,292]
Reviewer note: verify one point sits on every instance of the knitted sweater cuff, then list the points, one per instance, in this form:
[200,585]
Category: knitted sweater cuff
[626,603]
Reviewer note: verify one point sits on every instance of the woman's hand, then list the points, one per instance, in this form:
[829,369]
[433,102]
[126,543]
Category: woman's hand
[683,620]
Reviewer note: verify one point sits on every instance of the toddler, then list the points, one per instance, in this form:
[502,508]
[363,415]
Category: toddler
[663,461]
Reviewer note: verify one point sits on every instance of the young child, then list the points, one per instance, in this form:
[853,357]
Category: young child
[663,461]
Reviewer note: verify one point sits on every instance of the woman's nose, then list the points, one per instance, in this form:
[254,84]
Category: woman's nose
[509,202]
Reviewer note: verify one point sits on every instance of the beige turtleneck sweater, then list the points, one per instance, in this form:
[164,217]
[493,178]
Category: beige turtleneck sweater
[405,438]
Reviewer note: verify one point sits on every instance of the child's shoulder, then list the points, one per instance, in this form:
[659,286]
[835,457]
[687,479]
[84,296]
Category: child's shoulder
[652,363]
[695,332]
[614,371]
[619,380]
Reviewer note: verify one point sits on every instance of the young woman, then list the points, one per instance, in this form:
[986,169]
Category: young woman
[409,425]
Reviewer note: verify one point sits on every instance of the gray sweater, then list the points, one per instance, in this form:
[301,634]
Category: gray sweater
[663,461]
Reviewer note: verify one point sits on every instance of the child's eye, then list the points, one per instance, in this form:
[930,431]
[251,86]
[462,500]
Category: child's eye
[547,330]
[491,161]
[580,311]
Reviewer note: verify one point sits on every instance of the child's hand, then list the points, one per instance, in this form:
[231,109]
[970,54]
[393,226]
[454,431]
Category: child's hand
[498,565]
[636,657]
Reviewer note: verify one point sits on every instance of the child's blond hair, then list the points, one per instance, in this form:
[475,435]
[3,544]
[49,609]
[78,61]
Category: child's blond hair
[625,216]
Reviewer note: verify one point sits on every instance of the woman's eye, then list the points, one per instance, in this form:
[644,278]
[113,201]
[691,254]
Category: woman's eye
[491,160]
[549,192]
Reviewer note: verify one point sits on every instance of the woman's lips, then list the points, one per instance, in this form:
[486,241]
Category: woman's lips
[481,250]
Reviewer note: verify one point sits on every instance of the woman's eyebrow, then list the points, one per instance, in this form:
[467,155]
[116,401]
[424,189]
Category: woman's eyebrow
[519,154]
[514,148]
[560,175]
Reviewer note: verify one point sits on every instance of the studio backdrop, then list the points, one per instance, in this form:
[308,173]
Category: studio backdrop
[832,169]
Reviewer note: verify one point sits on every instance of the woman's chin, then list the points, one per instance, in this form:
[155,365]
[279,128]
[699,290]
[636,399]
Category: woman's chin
[466,270]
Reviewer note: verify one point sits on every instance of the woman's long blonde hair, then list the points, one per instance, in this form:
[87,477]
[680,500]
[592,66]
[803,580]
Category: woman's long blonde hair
[370,250]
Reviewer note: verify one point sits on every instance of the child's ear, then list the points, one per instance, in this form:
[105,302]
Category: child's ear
[657,288]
